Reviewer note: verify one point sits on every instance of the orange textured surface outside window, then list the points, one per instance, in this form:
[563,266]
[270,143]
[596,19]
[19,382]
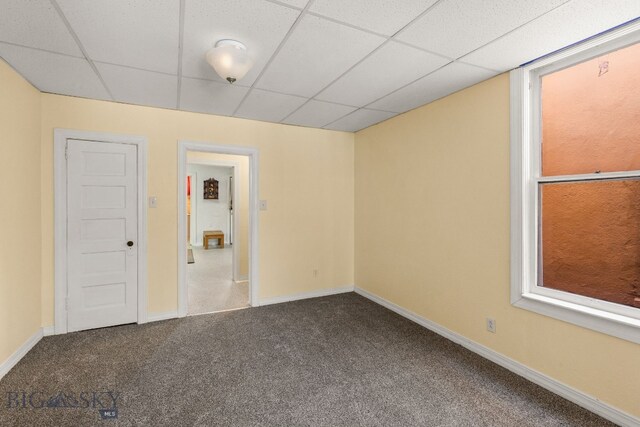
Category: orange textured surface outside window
[591,115]
[591,239]
[590,230]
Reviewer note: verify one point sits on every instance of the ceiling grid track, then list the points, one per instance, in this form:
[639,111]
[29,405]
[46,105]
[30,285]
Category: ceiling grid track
[384,43]
[42,50]
[180,50]
[511,31]
[452,60]
[287,5]
[55,5]
[131,67]
[346,24]
[275,53]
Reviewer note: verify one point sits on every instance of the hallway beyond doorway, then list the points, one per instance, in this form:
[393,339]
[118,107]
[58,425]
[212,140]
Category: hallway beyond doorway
[210,284]
[243,237]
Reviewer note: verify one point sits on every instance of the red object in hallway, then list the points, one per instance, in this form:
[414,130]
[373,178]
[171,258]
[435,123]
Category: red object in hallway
[188,186]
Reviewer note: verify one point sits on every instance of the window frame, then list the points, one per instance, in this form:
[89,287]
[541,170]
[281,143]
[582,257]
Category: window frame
[525,82]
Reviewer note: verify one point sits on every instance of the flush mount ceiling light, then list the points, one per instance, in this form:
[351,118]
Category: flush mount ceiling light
[230,60]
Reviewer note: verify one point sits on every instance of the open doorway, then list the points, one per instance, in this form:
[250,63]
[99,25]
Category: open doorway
[217,232]
[217,226]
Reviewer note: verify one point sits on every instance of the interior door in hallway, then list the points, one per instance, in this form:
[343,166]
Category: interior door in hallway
[102,234]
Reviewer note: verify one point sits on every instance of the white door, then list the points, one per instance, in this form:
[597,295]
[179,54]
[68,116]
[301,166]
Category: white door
[102,234]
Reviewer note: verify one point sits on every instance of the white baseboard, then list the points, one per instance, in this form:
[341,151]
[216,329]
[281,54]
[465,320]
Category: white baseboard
[156,317]
[586,401]
[13,360]
[241,281]
[46,331]
[306,295]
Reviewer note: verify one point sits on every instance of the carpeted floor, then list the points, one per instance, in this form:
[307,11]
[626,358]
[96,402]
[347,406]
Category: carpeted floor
[334,361]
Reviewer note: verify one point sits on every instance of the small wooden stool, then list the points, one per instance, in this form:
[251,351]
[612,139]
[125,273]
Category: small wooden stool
[213,234]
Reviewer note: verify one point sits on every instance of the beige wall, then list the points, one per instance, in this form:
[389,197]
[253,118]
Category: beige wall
[432,235]
[20,212]
[241,206]
[305,174]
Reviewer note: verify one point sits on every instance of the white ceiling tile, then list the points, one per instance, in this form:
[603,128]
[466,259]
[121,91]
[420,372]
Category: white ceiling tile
[360,119]
[568,24]
[55,73]
[259,24]
[205,96]
[449,79]
[268,106]
[382,16]
[36,23]
[456,27]
[318,114]
[140,87]
[389,68]
[317,52]
[142,33]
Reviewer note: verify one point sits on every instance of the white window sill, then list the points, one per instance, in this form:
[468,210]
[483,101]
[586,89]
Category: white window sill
[616,325]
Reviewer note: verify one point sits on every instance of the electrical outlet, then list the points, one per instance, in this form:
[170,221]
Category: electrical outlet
[491,325]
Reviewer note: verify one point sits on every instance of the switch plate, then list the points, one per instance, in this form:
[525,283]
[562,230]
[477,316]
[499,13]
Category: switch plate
[263,205]
[153,202]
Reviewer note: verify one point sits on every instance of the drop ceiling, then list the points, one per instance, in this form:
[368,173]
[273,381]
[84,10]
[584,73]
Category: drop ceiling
[334,64]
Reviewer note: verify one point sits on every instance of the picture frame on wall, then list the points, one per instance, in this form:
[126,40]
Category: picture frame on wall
[211,189]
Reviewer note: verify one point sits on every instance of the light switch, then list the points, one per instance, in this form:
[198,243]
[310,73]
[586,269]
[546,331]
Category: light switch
[153,202]
[263,205]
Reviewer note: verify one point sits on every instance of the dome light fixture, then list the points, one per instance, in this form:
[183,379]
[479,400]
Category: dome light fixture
[230,60]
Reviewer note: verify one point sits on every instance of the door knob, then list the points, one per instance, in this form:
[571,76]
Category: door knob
[129,243]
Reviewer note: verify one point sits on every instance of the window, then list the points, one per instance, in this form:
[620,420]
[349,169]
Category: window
[575,184]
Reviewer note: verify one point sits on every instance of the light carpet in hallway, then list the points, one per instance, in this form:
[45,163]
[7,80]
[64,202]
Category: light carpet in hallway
[210,282]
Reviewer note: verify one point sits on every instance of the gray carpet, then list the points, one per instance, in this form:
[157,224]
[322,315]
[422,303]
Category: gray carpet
[340,360]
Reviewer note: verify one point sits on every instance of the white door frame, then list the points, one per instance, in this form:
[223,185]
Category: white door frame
[183,148]
[236,186]
[60,137]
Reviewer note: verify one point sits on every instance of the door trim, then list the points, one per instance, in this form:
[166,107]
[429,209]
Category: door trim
[252,153]
[60,137]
